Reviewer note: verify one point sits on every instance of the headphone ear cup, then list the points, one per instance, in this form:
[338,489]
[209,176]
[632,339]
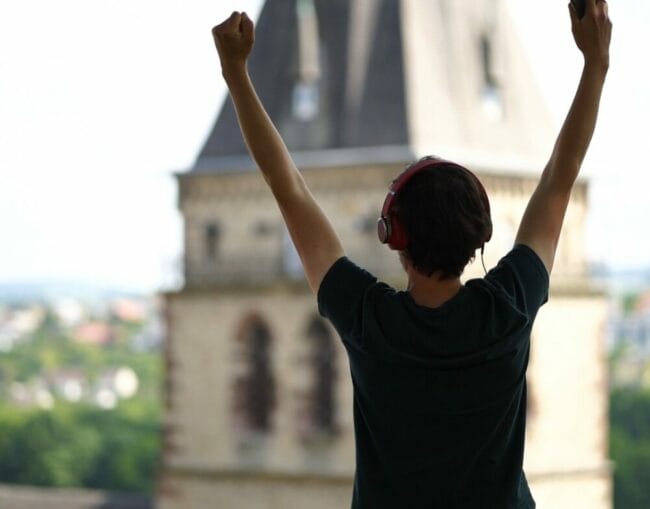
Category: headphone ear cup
[383,230]
[398,240]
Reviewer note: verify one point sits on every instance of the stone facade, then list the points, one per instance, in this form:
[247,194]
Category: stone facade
[259,397]
[567,432]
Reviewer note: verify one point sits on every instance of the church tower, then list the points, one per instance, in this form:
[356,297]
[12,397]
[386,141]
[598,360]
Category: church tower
[259,398]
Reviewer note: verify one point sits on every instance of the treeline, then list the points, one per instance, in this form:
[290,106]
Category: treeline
[75,442]
[630,447]
[81,446]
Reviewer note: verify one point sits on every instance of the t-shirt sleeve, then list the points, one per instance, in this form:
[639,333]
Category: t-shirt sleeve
[340,296]
[522,276]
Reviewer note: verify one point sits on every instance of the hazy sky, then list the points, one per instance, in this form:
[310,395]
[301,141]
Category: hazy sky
[102,101]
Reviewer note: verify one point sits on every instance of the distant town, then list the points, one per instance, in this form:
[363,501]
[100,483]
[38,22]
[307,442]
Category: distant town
[79,325]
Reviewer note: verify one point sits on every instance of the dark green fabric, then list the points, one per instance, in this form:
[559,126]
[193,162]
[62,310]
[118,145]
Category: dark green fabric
[439,394]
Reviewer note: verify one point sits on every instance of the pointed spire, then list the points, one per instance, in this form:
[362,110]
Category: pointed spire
[400,77]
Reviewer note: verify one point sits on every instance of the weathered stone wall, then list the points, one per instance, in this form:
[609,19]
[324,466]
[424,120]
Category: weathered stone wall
[238,490]
[252,275]
[253,246]
[567,429]
[203,328]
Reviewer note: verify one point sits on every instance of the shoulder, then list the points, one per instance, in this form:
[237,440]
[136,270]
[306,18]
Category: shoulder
[345,292]
[520,277]
[524,258]
[343,276]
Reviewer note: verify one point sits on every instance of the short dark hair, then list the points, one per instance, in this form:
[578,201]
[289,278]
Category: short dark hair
[445,218]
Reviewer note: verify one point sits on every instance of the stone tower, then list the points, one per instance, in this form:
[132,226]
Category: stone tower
[259,400]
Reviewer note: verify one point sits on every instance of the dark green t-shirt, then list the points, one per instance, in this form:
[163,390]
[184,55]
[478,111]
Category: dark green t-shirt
[439,394]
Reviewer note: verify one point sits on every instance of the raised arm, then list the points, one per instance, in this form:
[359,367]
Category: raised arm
[312,233]
[542,221]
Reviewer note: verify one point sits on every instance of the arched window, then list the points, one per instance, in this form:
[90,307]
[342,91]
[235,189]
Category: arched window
[492,96]
[318,417]
[253,385]
[212,237]
[306,89]
[487,63]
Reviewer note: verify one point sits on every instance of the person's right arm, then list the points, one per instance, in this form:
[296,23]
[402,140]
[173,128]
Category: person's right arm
[542,221]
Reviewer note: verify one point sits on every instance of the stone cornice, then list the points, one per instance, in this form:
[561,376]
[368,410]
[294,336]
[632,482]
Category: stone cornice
[270,475]
[257,474]
[321,179]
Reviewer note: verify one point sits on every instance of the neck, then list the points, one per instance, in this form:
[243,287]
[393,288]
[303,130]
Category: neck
[432,291]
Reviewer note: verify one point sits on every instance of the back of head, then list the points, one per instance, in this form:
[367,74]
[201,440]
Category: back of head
[445,214]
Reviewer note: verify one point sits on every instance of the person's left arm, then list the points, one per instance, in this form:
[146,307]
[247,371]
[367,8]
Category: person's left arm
[313,235]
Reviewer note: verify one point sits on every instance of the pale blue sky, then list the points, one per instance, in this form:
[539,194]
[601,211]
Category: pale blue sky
[101,101]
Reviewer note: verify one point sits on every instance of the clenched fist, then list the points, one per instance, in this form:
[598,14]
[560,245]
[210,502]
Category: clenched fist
[593,32]
[234,40]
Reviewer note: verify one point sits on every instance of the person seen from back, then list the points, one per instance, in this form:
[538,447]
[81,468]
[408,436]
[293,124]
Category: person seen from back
[438,370]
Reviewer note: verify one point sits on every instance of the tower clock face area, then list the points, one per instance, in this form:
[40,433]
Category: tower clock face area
[259,396]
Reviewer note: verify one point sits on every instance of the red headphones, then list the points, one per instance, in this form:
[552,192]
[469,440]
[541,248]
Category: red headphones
[389,229]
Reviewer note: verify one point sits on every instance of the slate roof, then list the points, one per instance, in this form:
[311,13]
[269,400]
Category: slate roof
[389,95]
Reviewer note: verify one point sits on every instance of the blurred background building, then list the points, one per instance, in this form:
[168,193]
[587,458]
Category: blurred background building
[259,400]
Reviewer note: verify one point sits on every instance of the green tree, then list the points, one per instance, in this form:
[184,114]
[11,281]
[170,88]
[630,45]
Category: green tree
[81,446]
[48,449]
[130,452]
[630,447]
[78,444]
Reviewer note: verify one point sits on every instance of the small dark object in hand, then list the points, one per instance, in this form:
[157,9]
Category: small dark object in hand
[580,7]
